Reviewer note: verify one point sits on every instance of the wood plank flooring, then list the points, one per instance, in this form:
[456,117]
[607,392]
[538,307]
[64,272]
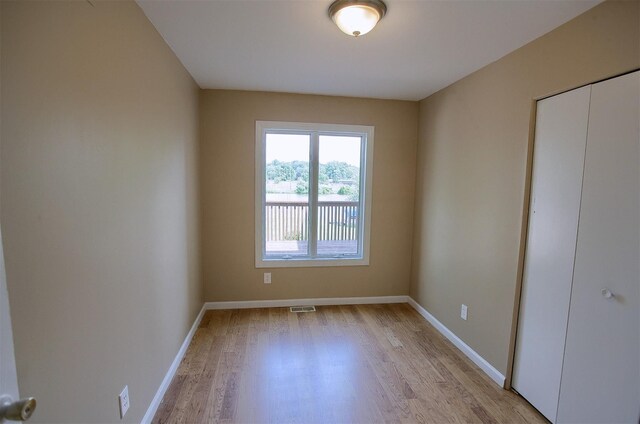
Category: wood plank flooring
[341,364]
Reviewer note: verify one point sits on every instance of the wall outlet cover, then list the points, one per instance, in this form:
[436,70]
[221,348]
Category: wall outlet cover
[463,312]
[123,399]
[267,278]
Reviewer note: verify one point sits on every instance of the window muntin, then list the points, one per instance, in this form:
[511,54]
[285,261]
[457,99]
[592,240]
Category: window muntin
[314,212]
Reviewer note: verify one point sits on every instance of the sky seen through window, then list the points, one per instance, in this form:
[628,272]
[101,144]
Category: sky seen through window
[292,147]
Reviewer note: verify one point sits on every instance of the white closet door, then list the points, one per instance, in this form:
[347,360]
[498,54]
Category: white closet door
[601,374]
[561,133]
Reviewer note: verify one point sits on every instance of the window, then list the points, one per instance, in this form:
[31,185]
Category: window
[313,194]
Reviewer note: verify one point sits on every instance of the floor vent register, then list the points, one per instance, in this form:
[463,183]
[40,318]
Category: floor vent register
[298,309]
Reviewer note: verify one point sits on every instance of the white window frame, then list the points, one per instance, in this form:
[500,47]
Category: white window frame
[364,209]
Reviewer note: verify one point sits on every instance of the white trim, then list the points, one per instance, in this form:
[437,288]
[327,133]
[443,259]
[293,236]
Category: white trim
[155,403]
[366,180]
[309,263]
[324,301]
[366,194]
[312,197]
[259,193]
[485,366]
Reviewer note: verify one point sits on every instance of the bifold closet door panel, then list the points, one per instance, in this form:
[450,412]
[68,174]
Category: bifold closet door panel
[558,159]
[601,373]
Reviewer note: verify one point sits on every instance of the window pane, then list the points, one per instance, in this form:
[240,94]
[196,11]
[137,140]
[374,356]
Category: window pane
[338,195]
[287,194]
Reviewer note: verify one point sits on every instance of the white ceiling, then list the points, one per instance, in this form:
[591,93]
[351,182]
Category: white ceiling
[418,48]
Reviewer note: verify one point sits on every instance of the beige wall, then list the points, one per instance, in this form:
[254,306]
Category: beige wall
[227,153]
[99,215]
[472,165]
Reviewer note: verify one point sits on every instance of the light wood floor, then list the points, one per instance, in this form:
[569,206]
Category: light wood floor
[341,364]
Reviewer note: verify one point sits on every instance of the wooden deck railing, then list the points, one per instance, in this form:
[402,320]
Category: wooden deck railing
[290,221]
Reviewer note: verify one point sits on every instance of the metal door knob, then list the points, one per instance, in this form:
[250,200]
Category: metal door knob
[608,294]
[20,410]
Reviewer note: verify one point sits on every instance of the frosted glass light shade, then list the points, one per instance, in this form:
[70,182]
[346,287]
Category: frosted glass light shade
[356,18]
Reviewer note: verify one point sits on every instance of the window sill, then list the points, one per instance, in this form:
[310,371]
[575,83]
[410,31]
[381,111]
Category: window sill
[310,263]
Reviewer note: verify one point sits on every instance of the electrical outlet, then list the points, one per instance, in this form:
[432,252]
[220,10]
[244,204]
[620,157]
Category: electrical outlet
[267,278]
[124,401]
[463,312]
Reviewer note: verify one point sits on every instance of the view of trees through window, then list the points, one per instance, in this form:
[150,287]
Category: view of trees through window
[288,191]
[338,178]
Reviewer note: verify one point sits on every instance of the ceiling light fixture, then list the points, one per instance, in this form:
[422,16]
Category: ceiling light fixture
[357,17]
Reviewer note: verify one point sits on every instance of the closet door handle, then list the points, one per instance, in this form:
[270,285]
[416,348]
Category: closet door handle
[20,410]
[608,294]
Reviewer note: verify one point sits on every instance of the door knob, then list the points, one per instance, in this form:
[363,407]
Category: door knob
[20,410]
[608,294]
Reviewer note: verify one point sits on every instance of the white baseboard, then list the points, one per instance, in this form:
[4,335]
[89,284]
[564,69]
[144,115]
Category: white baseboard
[155,403]
[324,301]
[485,366]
